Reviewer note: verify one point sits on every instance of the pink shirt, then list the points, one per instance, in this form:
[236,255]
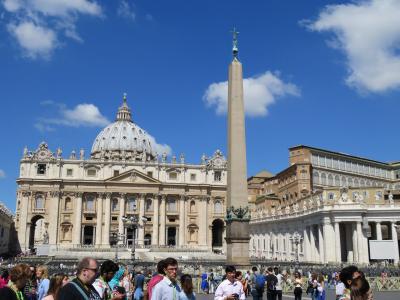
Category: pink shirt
[152,283]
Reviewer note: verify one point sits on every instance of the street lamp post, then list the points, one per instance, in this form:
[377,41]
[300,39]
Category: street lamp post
[117,237]
[296,238]
[132,222]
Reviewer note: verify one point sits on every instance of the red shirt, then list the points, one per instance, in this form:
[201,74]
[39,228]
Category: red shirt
[152,283]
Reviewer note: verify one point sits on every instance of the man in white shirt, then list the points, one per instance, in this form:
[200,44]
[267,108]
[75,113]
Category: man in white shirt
[168,288]
[230,288]
[278,286]
[339,287]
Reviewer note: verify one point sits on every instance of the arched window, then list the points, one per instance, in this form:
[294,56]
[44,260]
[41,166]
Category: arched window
[344,181]
[149,205]
[39,202]
[351,182]
[218,207]
[331,196]
[90,203]
[337,181]
[68,204]
[323,179]
[316,177]
[356,182]
[114,205]
[131,204]
[362,183]
[330,180]
[192,206]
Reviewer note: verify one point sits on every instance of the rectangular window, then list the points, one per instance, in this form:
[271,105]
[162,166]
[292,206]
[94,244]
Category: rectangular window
[69,172]
[41,169]
[192,177]
[217,176]
[116,173]
[172,176]
[114,218]
[91,172]
[150,174]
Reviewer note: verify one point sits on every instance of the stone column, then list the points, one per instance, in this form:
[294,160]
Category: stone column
[53,208]
[395,242]
[121,215]
[360,246]
[23,231]
[99,220]
[182,224]
[322,257]
[76,238]
[338,249]
[378,231]
[154,237]
[141,216]
[313,245]
[355,244]
[306,249]
[329,242]
[162,220]
[107,220]
[202,237]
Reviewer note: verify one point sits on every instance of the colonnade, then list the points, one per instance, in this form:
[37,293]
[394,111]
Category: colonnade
[323,242]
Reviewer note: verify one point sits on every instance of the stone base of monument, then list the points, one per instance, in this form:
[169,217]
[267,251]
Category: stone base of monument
[237,242]
[42,250]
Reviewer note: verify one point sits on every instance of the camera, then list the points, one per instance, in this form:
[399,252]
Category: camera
[236,296]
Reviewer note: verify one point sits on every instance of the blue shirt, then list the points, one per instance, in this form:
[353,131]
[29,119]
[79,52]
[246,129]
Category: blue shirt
[43,288]
[183,296]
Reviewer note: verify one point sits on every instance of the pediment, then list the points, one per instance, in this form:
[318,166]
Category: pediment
[133,176]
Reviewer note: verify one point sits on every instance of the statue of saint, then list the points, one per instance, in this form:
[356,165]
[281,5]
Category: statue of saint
[45,237]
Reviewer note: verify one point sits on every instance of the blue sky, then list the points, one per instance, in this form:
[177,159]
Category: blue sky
[321,73]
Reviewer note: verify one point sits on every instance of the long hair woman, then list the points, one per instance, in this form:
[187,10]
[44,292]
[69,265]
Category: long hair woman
[56,283]
[187,288]
[298,282]
[42,274]
[19,276]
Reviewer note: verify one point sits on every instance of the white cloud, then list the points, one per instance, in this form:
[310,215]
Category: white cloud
[35,40]
[43,127]
[368,32]
[125,10]
[259,92]
[38,24]
[159,148]
[2,174]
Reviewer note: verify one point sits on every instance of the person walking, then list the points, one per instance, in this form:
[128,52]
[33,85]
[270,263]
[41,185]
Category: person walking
[157,277]
[19,276]
[230,288]
[57,281]
[256,284]
[107,271]
[271,284]
[168,288]
[187,288]
[139,284]
[278,286]
[42,275]
[298,283]
[339,287]
[81,288]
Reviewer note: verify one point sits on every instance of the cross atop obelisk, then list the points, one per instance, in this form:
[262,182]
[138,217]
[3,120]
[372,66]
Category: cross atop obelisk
[238,215]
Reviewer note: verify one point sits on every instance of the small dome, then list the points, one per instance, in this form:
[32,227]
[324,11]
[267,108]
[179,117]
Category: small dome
[123,139]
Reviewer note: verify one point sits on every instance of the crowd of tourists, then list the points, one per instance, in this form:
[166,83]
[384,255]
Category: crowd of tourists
[113,281]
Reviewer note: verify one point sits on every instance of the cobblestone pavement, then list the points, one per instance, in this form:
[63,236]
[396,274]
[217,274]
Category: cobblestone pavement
[330,296]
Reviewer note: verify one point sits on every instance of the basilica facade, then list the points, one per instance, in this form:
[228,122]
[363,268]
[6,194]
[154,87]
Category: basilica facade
[122,193]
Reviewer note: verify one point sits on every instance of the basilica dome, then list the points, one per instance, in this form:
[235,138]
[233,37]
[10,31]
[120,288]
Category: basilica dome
[123,139]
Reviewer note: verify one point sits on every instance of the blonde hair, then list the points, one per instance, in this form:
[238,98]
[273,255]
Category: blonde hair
[43,269]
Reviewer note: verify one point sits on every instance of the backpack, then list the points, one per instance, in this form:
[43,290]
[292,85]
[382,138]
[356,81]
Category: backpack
[272,280]
[260,282]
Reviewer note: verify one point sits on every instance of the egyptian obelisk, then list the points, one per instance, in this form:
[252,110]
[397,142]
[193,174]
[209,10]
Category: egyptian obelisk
[238,215]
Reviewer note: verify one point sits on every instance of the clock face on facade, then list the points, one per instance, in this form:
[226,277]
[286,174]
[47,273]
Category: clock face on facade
[218,162]
[42,154]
